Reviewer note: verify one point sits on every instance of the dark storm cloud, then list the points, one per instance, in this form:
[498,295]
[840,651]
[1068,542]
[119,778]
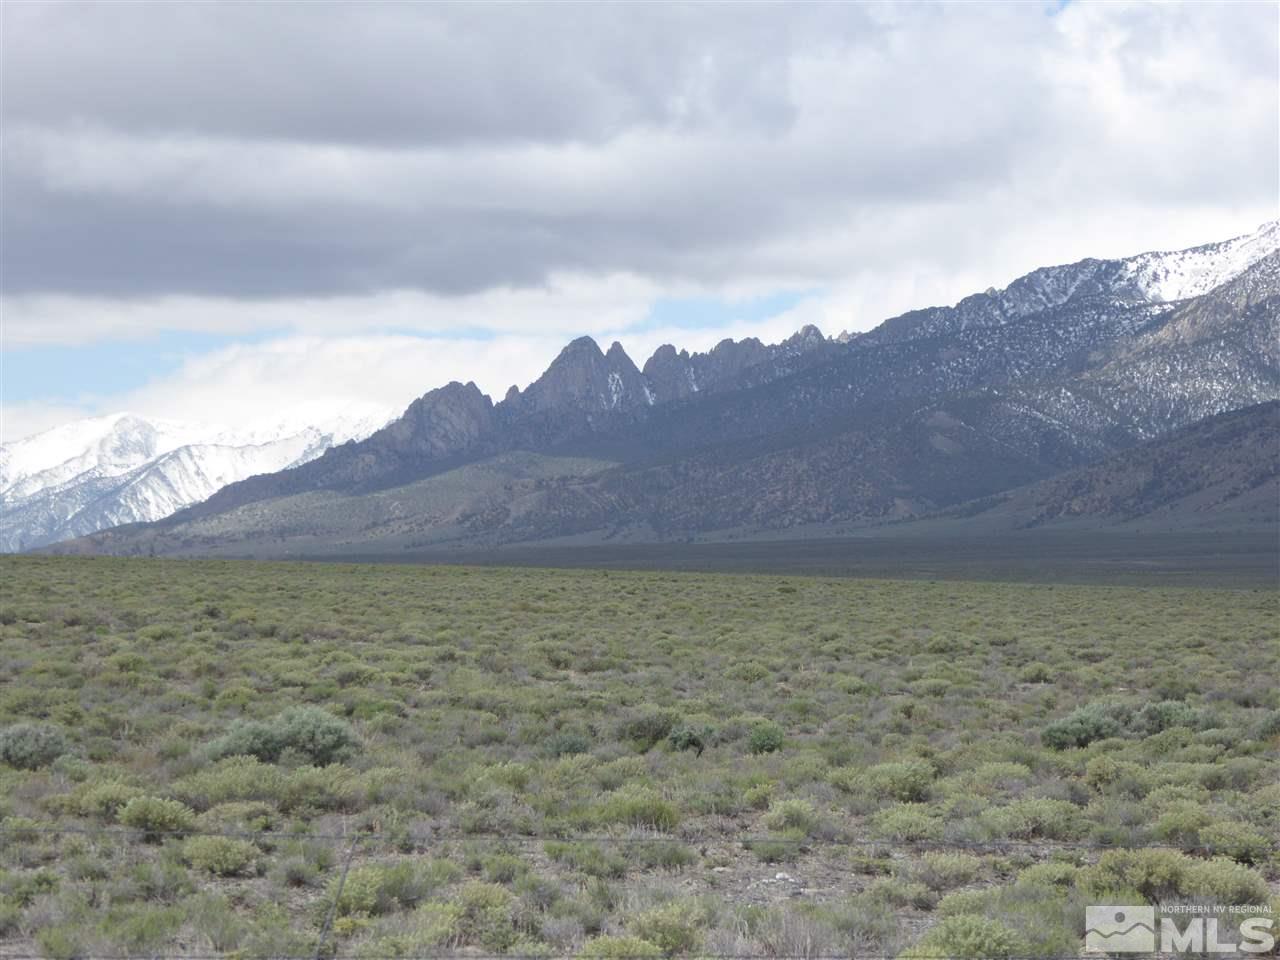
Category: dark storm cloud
[402,73]
[250,150]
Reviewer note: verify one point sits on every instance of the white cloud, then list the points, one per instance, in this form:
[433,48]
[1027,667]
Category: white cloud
[564,303]
[428,169]
[18,420]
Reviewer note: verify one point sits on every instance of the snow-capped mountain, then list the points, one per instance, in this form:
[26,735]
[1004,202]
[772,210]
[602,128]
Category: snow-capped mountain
[105,471]
[1180,274]
[1066,366]
[1139,288]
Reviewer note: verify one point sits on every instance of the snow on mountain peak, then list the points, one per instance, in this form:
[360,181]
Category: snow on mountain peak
[1176,275]
[122,468]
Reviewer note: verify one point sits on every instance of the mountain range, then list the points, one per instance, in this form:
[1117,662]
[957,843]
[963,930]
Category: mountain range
[928,416]
[105,471]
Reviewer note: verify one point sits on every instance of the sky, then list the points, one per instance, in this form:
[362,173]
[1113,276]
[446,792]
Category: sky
[216,211]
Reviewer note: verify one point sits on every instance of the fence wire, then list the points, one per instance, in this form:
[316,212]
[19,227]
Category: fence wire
[364,841]
[376,838]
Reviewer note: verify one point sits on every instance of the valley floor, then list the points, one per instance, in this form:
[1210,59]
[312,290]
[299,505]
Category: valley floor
[211,758]
[1243,559]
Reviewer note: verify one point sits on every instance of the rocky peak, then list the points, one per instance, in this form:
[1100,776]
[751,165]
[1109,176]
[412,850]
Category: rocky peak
[805,339]
[582,378]
[675,376]
[670,374]
[728,359]
[441,422]
[663,359]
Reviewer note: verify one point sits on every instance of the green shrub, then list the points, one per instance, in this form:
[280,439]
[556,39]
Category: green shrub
[900,892]
[503,867]
[674,928]
[1100,721]
[867,926]
[245,816]
[104,799]
[485,915]
[908,781]
[567,743]
[766,737]
[691,738]
[156,816]
[1155,874]
[10,918]
[1036,673]
[760,796]
[1123,777]
[221,856]
[216,919]
[1049,875]
[310,732]
[777,850]
[420,933]
[647,727]
[788,815]
[1181,822]
[638,807]
[748,671]
[235,778]
[661,855]
[1042,911]
[296,872]
[61,942]
[968,937]
[618,948]
[941,870]
[1160,875]
[28,746]
[1267,727]
[592,859]
[908,821]
[361,894]
[1239,841]
[375,889]
[1081,727]
[23,888]
[334,787]
[1225,881]
[1036,818]
[1155,717]
[617,773]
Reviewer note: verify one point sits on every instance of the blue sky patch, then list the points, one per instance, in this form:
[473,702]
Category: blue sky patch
[67,374]
[701,313]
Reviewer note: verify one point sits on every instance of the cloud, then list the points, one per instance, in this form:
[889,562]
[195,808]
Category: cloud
[392,182]
[18,420]
[563,305]
[397,74]
[260,151]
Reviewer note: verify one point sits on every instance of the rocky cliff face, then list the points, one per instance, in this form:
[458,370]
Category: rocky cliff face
[442,423]
[584,380]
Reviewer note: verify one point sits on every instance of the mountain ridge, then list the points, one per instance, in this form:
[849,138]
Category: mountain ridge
[1225,463]
[1065,366]
[124,468]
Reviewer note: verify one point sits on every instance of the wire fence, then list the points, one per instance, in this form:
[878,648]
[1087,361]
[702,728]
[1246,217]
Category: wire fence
[466,955]
[426,838]
[363,841]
